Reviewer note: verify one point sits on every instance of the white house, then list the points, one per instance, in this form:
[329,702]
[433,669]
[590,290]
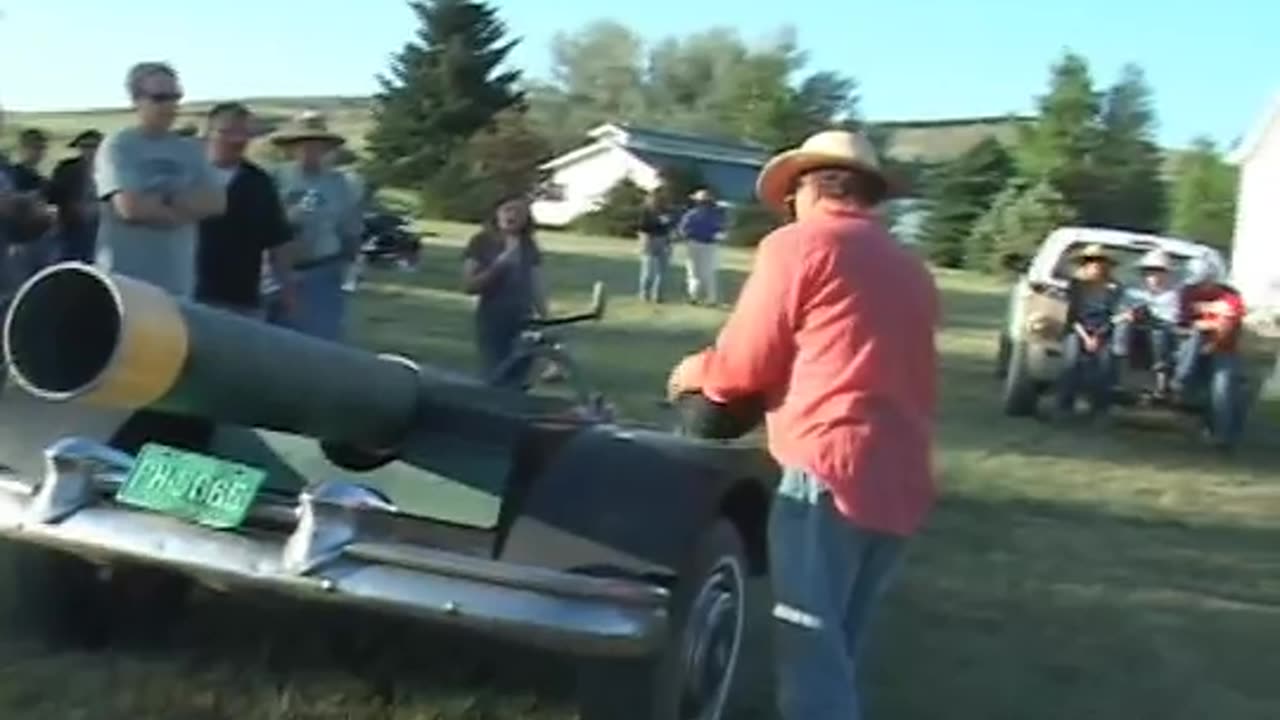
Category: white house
[579,179]
[1255,255]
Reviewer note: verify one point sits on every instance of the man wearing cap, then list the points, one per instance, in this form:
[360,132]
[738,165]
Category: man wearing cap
[155,186]
[72,192]
[834,329]
[702,227]
[1154,308]
[325,215]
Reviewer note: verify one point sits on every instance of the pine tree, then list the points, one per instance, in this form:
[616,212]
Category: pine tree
[1203,197]
[960,192]
[443,87]
[1019,220]
[1131,192]
[1061,146]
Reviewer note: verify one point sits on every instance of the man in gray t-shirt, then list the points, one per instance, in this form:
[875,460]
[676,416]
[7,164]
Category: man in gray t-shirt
[156,185]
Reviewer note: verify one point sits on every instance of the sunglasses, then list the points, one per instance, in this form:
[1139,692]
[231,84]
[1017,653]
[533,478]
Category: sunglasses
[162,97]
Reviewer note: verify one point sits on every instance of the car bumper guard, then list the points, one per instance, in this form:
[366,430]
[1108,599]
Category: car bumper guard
[325,558]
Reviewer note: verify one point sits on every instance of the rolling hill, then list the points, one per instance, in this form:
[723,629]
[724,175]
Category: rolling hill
[916,141]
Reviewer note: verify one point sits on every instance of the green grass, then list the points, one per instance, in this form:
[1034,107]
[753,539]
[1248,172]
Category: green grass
[1064,575]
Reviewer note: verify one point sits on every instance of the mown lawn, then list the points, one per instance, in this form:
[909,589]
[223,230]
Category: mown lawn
[1065,574]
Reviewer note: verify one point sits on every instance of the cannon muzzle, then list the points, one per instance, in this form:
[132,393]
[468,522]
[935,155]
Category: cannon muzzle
[74,332]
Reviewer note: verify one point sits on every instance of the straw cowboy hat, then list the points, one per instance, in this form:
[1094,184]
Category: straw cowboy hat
[309,125]
[1156,260]
[1094,251]
[828,149]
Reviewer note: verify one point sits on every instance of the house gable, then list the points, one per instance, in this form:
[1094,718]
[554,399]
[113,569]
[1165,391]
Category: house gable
[1262,133]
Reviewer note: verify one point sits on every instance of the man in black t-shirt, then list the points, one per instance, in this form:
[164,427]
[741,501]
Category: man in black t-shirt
[71,190]
[231,246]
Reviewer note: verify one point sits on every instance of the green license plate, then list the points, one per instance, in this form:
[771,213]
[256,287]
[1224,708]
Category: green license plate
[198,488]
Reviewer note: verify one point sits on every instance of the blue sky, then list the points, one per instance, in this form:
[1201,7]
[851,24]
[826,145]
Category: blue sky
[1213,65]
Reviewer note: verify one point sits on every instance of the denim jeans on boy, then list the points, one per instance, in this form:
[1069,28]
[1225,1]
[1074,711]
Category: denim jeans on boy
[653,268]
[1161,334]
[1219,374]
[322,304]
[1087,372]
[828,575]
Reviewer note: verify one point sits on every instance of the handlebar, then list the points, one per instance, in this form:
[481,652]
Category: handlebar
[599,302]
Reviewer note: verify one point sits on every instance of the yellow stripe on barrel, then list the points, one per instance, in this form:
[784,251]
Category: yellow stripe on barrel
[74,332]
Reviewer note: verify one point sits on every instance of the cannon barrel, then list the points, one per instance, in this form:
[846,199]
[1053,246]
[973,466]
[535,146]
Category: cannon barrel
[74,332]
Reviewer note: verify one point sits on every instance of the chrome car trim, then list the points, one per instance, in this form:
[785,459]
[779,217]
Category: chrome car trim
[319,554]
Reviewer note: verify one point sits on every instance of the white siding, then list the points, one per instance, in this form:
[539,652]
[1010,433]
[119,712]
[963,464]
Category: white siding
[585,183]
[1256,244]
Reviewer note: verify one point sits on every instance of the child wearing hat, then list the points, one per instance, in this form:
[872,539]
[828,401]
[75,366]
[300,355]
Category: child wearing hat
[1093,298]
[1156,308]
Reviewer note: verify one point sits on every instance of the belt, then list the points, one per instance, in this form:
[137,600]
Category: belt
[315,262]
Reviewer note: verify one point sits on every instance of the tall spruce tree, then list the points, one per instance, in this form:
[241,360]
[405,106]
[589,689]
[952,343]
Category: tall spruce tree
[443,87]
[960,192]
[1203,196]
[1131,192]
[1061,145]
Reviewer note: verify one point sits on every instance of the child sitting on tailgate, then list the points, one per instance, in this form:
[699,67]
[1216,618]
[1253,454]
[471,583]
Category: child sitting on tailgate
[1092,301]
[1155,308]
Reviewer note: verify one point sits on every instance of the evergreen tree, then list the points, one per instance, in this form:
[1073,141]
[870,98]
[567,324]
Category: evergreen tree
[443,87]
[1203,197]
[1019,220]
[1061,145]
[1131,192]
[961,191]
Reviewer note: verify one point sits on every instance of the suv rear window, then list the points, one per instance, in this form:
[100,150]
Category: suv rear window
[1126,257]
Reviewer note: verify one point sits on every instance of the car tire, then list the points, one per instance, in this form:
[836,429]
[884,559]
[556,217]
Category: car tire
[696,674]
[71,602]
[1003,349]
[1021,392]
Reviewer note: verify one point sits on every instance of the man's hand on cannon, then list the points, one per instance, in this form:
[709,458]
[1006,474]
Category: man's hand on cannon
[685,377]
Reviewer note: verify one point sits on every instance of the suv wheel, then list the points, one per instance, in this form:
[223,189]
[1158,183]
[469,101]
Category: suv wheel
[1020,390]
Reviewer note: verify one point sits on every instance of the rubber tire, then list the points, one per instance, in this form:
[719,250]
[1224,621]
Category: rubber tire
[648,688]
[1020,392]
[67,601]
[1003,351]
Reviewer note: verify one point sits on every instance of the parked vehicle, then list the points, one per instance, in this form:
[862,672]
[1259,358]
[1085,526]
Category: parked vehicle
[154,444]
[389,240]
[1029,347]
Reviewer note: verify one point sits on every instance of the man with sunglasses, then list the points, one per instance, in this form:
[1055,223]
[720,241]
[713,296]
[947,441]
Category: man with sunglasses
[155,186]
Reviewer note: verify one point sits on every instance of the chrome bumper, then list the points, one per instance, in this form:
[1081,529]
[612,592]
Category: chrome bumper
[323,558]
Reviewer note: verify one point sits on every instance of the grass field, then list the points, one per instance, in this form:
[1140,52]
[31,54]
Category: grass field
[1065,574]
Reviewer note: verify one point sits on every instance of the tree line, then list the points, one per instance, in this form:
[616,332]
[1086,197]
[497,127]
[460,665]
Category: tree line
[1089,157]
[454,121]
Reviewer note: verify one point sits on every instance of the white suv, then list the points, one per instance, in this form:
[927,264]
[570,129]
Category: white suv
[1030,344]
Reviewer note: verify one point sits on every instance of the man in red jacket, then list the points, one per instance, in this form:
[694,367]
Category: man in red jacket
[1208,359]
[835,329]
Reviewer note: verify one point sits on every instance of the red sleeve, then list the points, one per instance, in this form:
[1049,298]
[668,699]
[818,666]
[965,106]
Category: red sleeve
[754,350]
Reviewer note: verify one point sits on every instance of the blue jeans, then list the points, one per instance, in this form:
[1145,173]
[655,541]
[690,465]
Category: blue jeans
[1087,372]
[828,575]
[653,268]
[322,302]
[1219,374]
[497,337]
[1161,335]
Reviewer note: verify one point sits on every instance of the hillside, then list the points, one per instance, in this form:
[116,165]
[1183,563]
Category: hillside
[926,141]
